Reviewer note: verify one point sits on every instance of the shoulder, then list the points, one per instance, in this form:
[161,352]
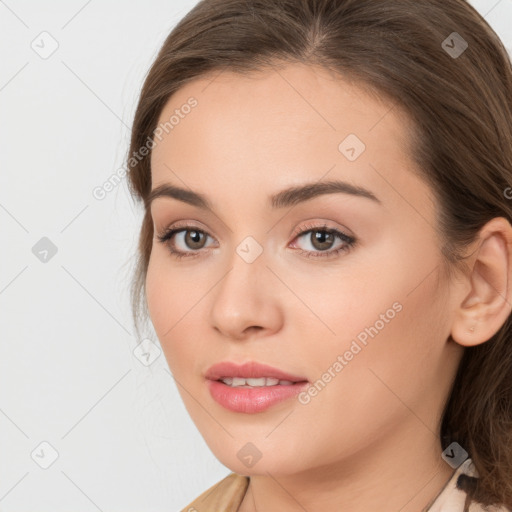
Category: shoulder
[225,496]
[452,497]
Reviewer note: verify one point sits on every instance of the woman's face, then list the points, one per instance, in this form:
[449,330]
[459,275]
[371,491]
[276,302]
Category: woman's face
[365,324]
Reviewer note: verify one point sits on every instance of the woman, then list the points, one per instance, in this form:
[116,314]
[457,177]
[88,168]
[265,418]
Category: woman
[326,250]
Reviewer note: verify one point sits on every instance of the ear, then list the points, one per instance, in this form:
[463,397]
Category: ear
[488,304]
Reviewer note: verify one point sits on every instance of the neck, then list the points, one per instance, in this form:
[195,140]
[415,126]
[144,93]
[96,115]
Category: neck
[405,473]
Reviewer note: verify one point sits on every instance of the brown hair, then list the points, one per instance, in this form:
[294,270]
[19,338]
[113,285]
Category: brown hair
[460,106]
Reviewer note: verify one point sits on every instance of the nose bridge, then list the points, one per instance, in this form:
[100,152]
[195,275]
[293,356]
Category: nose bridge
[246,269]
[244,295]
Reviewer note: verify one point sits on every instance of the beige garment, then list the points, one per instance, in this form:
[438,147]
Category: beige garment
[224,496]
[451,498]
[227,495]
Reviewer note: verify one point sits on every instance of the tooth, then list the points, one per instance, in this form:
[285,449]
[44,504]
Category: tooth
[256,382]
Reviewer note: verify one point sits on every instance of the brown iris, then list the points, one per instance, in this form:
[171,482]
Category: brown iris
[322,239]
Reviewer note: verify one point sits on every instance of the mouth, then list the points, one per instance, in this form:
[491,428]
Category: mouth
[252,387]
[241,382]
[252,372]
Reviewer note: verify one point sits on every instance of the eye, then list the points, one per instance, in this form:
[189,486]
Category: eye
[186,237]
[320,239]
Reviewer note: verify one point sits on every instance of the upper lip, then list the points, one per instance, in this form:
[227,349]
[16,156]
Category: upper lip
[249,370]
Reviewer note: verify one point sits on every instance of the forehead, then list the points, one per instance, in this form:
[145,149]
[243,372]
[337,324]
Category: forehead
[277,127]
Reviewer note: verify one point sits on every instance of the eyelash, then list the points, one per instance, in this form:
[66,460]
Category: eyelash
[349,241]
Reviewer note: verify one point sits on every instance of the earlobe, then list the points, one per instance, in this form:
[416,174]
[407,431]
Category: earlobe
[488,304]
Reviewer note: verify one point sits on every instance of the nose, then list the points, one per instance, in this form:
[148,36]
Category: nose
[246,303]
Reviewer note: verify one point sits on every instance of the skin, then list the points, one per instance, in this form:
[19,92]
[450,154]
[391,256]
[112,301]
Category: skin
[370,439]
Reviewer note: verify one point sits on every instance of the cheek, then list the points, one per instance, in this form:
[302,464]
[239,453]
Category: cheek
[383,380]
[169,292]
[162,293]
[386,315]
[174,301]
[158,295]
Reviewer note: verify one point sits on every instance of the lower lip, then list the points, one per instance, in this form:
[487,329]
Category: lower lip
[252,400]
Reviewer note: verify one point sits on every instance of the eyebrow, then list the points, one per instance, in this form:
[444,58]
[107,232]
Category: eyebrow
[285,198]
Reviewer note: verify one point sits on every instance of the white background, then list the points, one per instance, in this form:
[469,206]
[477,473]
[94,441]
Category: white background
[68,375]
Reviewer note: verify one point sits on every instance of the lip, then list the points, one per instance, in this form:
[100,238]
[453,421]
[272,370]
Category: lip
[251,400]
[249,370]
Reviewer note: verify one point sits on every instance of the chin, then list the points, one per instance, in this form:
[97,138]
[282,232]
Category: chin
[257,466]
